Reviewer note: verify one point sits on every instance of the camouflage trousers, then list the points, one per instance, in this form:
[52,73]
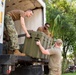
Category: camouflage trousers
[10,27]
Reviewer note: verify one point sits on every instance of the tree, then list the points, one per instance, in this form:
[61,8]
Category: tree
[62,15]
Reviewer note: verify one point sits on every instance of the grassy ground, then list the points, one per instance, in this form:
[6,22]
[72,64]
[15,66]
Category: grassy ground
[69,73]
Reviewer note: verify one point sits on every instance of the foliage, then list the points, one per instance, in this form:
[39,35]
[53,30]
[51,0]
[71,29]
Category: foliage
[61,14]
[62,17]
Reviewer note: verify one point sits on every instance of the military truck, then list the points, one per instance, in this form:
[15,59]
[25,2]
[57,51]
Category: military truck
[21,65]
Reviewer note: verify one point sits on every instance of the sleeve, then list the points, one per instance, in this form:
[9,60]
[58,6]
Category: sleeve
[52,51]
[39,29]
[22,13]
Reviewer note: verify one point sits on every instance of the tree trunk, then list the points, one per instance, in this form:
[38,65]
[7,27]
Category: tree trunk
[74,59]
[64,65]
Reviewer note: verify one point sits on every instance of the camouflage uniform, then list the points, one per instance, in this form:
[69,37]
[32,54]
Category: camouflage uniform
[10,17]
[9,24]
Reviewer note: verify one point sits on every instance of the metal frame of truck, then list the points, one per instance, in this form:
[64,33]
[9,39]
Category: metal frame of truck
[9,62]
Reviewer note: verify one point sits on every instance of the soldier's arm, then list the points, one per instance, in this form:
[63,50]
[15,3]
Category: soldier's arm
[24,26]
[44,51]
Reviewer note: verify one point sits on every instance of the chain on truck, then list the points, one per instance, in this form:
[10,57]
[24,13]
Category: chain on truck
[34,62]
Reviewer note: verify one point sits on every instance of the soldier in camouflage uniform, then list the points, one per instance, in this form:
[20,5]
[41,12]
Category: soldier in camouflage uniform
[10,17]
[55,57]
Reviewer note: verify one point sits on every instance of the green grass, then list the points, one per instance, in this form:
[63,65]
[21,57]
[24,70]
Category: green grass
[70,73]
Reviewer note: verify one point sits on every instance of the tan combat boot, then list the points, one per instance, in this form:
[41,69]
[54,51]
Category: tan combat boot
[17,52]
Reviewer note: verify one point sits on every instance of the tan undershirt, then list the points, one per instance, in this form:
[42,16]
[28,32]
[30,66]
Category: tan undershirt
[15,14]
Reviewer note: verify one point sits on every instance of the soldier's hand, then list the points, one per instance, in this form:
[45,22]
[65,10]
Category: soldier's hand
[38,42]
[28,35]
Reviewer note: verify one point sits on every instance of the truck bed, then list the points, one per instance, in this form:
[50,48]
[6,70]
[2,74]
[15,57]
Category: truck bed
[10,59]
[20,64]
